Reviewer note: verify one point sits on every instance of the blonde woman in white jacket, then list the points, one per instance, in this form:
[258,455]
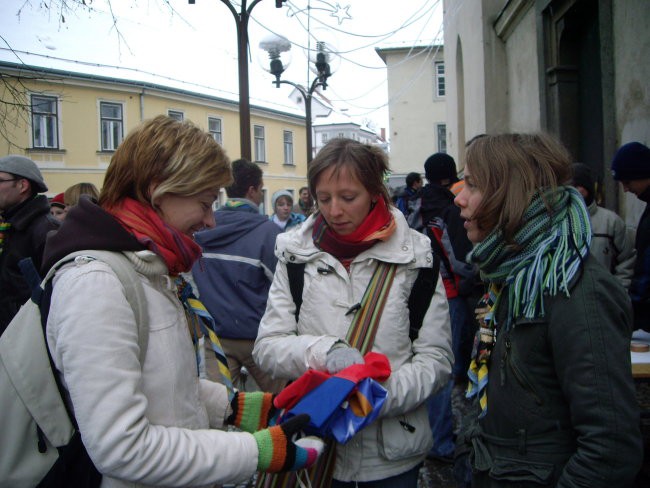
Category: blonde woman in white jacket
[353,229]
[152,421]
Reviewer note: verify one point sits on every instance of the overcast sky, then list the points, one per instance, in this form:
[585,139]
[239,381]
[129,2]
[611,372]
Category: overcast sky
[195,46]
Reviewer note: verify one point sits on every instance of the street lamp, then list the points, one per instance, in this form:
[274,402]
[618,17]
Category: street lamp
[278,49]
[241,20]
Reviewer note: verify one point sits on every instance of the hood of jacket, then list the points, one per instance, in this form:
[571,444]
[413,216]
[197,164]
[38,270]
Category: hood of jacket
[404,246]
[87,226]
[231,225]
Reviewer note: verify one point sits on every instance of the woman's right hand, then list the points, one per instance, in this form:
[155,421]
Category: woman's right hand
[279,452]
[340,356]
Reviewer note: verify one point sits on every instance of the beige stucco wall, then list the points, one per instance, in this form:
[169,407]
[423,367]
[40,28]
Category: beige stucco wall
[415,110]
[523,76]
[632,84]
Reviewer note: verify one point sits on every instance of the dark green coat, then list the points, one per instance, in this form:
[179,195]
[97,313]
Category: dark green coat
[562,409]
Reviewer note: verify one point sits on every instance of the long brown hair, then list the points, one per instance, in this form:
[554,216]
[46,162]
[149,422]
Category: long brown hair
[509,169]
[178,157]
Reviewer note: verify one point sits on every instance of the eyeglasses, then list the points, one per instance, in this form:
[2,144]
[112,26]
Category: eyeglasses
[8,179]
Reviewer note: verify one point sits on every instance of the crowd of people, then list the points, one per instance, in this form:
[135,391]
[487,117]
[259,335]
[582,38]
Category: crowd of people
[533,292]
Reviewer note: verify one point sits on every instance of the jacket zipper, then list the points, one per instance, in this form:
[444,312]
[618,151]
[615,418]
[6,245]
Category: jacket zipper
[519,376]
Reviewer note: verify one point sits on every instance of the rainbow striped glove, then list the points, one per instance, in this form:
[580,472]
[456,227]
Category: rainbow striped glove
[278,452]
[251,411]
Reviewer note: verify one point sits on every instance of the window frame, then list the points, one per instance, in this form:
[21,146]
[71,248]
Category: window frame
[176,114]
[104,147]
[441,137]
[259,143]
[51,127]
[217,135]
[288,147]
[440,86]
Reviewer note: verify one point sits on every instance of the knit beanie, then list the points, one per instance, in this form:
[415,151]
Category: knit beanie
[583,176]
[278,194]
[631,162]
[440,166]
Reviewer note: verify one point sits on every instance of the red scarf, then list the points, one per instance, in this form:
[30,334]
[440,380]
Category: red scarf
[379,225]
[177,250]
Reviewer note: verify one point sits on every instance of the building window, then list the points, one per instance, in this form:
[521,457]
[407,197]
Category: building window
[288,147]
[214,128]
[440,80]
[45,122]
[176,115]
[323,138]
[442,138]
[260,152]
[112,125]
[341,135]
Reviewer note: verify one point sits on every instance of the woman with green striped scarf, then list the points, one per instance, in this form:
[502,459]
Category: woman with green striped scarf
[551,370]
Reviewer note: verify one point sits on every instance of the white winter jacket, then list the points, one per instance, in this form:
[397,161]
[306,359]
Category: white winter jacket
[611,245]
[401,437]
[142,424]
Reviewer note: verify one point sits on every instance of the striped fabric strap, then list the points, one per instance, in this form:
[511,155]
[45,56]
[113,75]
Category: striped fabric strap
[4,229]
[364,325]
[199,314]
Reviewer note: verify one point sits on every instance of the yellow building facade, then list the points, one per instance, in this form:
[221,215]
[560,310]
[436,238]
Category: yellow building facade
[70,124]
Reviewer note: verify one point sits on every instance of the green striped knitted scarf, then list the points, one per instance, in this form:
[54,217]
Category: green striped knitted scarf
[551,246]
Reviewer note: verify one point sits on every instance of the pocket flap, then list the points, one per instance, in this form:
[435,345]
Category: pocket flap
[509,469]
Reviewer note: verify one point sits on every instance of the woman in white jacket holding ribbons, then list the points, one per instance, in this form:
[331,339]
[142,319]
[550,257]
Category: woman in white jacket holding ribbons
[353,230]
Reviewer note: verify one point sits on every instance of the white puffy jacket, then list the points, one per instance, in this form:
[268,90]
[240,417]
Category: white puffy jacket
[285,349]
[142,424]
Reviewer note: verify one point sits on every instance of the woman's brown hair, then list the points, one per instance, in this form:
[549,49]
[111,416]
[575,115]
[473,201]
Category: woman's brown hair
[509,169]
[177,157]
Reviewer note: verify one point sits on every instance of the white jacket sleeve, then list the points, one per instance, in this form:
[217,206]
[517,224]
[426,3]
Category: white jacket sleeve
[93,339]
[625,253]
[279,350]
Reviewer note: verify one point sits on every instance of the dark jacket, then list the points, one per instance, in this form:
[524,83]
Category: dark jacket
[562,409]
[438,202]
[640,288]
[30,222]
[236,269]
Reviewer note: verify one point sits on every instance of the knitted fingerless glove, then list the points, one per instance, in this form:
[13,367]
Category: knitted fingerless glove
[251,411]
[277,452]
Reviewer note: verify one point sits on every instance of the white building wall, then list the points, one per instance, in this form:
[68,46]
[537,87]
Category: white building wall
[414,109]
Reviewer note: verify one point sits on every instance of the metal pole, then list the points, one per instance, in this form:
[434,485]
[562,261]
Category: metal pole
[241,20]
[310,151]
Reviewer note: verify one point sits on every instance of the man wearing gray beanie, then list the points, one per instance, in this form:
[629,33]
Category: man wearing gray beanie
[631,166]
[25,221]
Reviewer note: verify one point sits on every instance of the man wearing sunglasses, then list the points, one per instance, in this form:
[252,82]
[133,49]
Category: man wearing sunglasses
[25,221]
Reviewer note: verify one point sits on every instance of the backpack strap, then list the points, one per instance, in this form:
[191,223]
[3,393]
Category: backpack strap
[133,289]
[421,294]
[296,274]
[419,298]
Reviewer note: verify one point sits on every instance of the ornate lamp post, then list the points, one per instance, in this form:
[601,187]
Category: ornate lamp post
[241,19]
[278,49]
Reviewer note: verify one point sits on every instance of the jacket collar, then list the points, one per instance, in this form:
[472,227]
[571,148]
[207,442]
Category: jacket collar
[399,248]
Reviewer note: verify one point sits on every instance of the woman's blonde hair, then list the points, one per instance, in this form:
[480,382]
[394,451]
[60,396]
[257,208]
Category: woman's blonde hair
[178,157]
[72,194]
[509,169]
[367,163]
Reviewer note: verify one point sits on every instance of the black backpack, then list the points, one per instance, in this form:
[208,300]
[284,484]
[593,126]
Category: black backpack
[419,298]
